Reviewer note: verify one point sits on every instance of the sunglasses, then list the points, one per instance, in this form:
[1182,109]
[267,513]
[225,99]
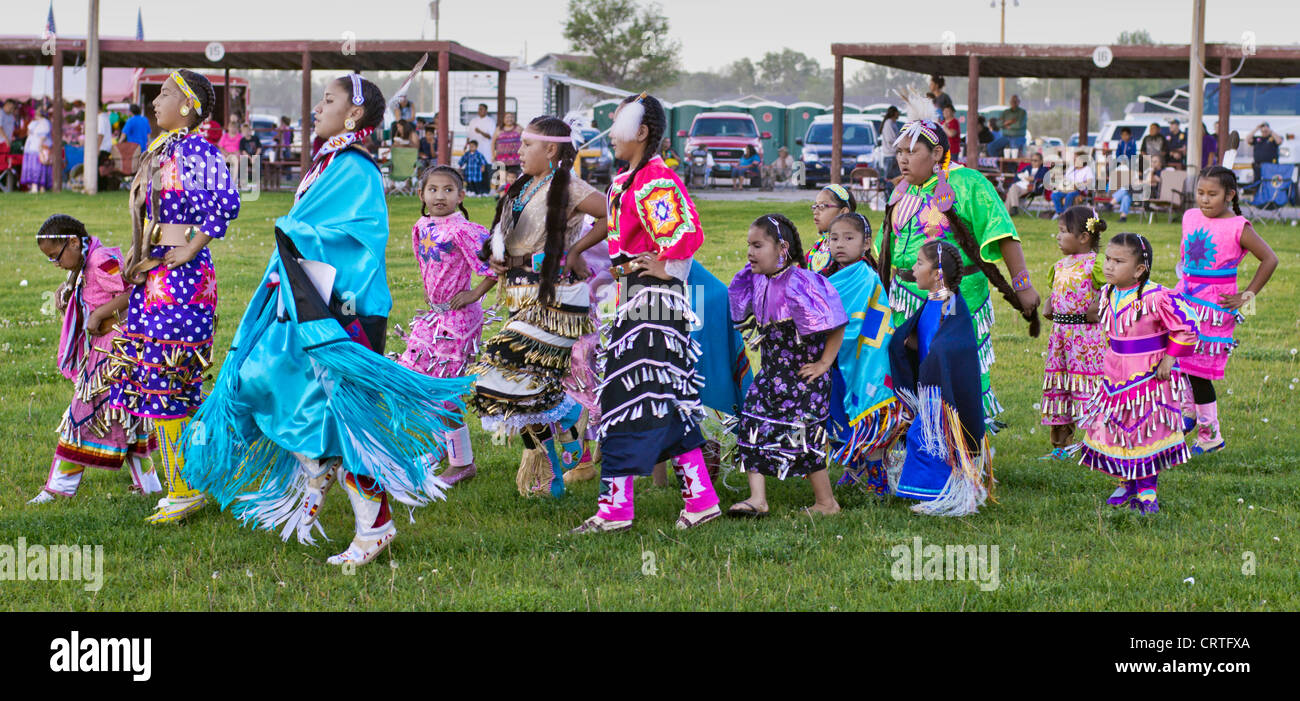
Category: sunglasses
[59,256]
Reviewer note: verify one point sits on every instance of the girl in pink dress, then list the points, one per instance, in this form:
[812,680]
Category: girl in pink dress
[1214,243]
[1077,344]
[1135,430]
[444,337]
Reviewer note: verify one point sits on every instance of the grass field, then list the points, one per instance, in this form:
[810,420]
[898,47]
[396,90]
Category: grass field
[1228,521]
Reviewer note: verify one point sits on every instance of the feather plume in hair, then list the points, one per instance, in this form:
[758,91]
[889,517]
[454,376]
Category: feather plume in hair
[406,84]
[628,122]
[919,109]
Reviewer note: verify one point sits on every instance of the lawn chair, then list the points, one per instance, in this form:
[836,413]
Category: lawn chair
[1273,191]
[401,170]
[1171,199]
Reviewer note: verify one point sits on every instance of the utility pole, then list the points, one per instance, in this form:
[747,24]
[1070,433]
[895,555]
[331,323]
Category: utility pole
[1196,88]
[90,173]
[1002,39]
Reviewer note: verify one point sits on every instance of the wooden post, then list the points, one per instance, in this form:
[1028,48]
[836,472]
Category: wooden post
[56,118]
[226,100]
[444,134]
[501,110]
[304,158]
[973,113]
[1225,105]
[90,171]
[837,123]
[1196,89]
[1084,97]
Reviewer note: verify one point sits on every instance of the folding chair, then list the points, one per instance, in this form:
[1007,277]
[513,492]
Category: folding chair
[1272,192]
[401,173]
[1170,199]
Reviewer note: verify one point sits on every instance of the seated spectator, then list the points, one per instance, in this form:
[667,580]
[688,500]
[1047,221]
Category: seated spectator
[1077,181]
[1176,146]
[750,166]
[667,153]
[1029,181]
[1123,197]
[985,135]
[428,155]
[474,167]
[403,134]
[1153,144]
[779,170]
[249,145]
[1014,123]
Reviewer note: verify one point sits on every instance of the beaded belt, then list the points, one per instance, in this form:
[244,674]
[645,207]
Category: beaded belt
[1070,318]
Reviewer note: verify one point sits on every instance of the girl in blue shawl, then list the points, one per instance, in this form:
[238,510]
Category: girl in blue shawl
[866,417]
[305,397]
[934,359]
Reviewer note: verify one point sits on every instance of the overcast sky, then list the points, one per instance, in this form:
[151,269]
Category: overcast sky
[713,32]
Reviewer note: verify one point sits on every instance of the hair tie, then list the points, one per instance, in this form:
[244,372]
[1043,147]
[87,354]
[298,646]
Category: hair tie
[357,98]
[776,224]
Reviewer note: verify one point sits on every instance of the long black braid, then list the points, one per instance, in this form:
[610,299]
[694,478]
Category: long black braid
[655,122]
[1141,247]
[449,172]
[779,228]
[1228,181]
[557,207]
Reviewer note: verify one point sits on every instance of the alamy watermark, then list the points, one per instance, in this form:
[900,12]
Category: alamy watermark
[974,563]
[52,563]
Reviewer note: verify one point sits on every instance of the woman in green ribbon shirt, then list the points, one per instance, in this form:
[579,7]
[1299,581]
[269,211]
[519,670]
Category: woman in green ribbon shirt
[940,200]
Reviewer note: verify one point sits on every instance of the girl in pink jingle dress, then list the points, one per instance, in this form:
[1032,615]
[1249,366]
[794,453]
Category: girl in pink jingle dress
[1215,241]
[1135,423]
[1077,344]
[444,338]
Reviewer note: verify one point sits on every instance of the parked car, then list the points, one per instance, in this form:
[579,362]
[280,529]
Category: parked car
[859,144]
[264,128]
[596,159]
[724,135]
[1074,139]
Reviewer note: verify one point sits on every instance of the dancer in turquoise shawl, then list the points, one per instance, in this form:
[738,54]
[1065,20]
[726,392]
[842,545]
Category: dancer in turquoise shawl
[305,397]
[866,417]
[939,201]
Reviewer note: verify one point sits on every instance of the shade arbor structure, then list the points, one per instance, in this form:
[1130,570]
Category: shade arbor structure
[304,56]
[977,61]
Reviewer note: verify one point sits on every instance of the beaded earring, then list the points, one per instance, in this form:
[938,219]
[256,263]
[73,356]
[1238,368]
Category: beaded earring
[350,124]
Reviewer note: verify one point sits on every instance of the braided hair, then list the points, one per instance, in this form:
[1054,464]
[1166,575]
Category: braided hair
[656,121]
[557,206]
[1228,181]
[860,223]
[449,172]
[944,256]
[779,228]
[373,103]
[1076,220]
[966,242]
[203,89]
[1141,247]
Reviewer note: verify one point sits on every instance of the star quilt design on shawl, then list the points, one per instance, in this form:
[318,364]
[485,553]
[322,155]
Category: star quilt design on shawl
[665,211]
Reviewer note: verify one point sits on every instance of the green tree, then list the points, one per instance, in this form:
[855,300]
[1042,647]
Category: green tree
[1137,37]
[628,44]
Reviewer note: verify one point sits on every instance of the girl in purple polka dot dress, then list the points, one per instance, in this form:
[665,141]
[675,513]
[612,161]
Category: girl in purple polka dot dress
[181,199]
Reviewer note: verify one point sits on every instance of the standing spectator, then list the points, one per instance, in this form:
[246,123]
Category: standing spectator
[1153,144]
[285,138]
[1077,181]
[1127,147]
[1123,197]
[9,119]
[474,167]
[888,151]
[779,170]
[952,128]
[1176,146]
[481,127]
[505,143]
[750,166]
[136,130]
[37,171]
[428,148]
[105,130]
[1264,146]
[1014,123]
[1210,146]
[1029,181]
[940,98]
[403,110]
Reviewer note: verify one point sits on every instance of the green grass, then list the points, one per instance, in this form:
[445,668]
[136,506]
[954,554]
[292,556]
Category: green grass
[488,548]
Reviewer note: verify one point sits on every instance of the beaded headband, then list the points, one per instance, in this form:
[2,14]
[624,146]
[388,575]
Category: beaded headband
[185,88]
[839,191]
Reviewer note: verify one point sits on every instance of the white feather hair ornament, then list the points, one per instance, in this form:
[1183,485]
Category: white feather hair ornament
[920,115]
[628,122]
[406,85]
